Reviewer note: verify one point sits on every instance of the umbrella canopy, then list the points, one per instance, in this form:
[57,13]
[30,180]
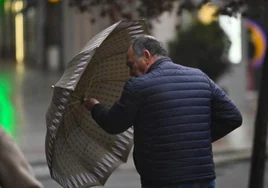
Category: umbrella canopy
[79,153]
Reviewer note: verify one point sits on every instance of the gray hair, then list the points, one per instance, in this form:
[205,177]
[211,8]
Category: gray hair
[147,42]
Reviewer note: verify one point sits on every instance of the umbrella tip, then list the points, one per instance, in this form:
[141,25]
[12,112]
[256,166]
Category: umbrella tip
[52,86]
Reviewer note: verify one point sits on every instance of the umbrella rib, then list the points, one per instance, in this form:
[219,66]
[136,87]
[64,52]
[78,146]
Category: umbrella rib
[77,122]
[93,77]
[75,118]
[112,80]
[112,56]
[79,125]
[71,109]
[126,27]
[76,97]
[90,83]
[73,103]
[92,173]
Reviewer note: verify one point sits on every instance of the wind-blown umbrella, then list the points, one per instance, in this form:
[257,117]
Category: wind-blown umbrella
[79,153]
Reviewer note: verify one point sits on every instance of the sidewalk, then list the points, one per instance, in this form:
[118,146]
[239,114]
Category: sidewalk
[234,175]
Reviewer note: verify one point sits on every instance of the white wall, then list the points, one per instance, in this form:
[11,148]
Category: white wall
[164,28]
[76,31]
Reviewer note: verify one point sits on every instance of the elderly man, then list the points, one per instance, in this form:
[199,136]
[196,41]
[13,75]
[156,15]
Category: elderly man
[176,111]
[15,172]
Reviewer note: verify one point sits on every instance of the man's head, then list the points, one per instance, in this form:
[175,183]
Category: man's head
[142,53]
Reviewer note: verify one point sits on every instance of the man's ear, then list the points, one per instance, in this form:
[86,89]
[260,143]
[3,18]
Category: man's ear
[147,54]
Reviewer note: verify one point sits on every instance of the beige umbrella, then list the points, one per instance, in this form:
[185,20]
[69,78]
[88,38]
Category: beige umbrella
[79,153]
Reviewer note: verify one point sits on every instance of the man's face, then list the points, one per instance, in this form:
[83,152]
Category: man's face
[136,66]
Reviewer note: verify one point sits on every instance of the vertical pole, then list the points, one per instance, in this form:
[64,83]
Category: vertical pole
[260,136]
[40,32]
[53,36]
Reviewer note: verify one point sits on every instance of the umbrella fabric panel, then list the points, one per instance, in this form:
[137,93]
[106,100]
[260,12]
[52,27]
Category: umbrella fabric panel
[57,109]
[74,70]
[119,40]
[113,45]
[109,61]
[113,68]
[106,92]
[74,174]
[86,125]
[98,39]
[104,73]
[107,142]
[79,62]
[71,150]
[77,65]
[83,154]
[68,158]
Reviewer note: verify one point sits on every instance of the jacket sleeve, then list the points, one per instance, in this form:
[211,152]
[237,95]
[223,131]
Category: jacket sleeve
[225,117]
[122,114]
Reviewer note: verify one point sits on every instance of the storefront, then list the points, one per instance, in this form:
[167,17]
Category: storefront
[29,30]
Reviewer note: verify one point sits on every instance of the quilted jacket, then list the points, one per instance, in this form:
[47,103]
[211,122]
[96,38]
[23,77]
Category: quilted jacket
[177,112]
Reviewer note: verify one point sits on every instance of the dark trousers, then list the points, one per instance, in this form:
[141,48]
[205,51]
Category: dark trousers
[203,184]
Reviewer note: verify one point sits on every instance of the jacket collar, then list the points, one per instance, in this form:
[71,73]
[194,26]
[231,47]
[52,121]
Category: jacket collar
[158,62]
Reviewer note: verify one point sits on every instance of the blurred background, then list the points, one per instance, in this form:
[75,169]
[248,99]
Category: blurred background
[225,39]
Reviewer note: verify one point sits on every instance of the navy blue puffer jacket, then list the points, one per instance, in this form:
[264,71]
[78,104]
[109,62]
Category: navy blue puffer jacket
[177,112]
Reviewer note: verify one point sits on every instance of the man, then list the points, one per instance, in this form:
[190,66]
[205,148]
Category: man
[14,169]
[176,111]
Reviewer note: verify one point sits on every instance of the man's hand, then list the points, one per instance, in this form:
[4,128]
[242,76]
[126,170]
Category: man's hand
[89,103]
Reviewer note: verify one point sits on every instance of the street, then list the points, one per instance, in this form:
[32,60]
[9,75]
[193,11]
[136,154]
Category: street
[228,176]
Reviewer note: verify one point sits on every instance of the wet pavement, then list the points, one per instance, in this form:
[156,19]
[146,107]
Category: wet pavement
[24,99]
[228,176]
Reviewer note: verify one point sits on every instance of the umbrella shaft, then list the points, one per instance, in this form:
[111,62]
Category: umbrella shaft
[79,98]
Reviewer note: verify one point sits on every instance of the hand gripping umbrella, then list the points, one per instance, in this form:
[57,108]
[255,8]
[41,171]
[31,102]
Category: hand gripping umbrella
[78,152]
